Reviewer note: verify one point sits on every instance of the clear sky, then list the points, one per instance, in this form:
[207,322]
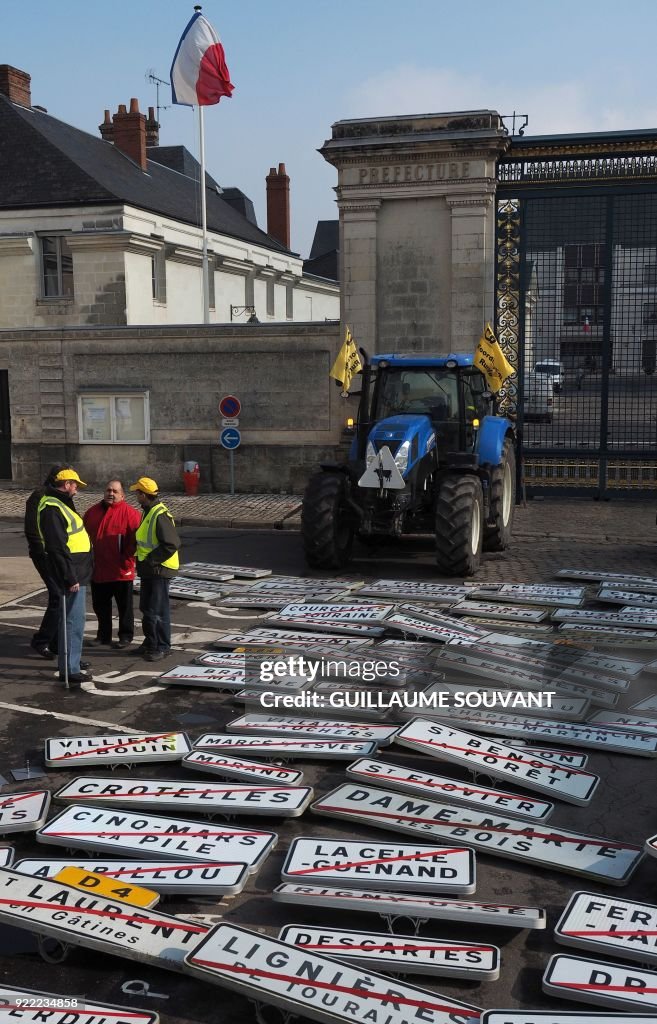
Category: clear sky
[300,65]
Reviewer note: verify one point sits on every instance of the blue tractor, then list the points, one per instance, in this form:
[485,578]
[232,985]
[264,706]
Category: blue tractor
[429,455]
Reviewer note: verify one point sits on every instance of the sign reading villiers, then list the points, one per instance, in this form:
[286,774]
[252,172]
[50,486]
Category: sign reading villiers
[91,828]
[570,784]
[184,877]
[596,981]
[556,849]
[69,751]
[394,866]
[314,986]
[50,908]
[29,1005]
[475,961]
[23,812]
[609,925]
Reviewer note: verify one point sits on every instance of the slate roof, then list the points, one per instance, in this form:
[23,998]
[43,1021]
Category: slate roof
[327,237]
[47,163]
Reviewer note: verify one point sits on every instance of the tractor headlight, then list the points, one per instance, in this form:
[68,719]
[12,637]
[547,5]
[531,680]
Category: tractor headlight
[401,458]
[370,454]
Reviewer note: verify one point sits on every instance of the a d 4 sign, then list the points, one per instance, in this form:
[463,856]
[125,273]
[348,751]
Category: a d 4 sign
[70,751]
[96,884]
[23,812]
[393,866]
[184,877]
[610,926]
[232,767]
[456,959]
[597,981]
[33,1007]
[310,985]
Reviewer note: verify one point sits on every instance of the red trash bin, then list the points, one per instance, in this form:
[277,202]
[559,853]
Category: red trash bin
[191,478]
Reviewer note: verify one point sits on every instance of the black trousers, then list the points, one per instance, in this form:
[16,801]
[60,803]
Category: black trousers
[156,614]
[46,635]
[101,599]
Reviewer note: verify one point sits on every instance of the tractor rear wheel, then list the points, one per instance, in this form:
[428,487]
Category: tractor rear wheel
[326,522]
[459,525]
[497,534]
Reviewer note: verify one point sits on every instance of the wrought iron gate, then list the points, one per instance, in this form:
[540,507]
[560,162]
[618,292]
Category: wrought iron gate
[576,309]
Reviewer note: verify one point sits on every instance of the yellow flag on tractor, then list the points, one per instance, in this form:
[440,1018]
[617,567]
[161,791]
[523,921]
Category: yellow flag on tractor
[490,359]
[347,363]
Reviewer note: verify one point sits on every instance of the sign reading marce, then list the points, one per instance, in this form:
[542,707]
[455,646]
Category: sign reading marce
[573,785]
[184,877]
[232,767]
[33,1007]
[393,904]
[608,925]
[68,751]
[596,981]
[23,812]
[309,728]
[278,746]
[556,849]
[455,959]
[398,777]
[198,797]
[50,908]
[91,828]
[394,866]
[314,986]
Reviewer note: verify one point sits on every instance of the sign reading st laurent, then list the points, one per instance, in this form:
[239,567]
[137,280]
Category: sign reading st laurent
[184,877]
[67,751]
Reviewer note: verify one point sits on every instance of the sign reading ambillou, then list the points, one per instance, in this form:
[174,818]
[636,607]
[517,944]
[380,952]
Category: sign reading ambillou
[573,785]
[68,751]
[239,768]
[398,777]
[50,908]
[23,812]
[472,960]
[183,877]
[34,1007]
[198,797]
[279,746]
[611,926]
[394,904]
[314,986]
[309,728]
[393,866]
[556,849]
[596,981]
[91,828]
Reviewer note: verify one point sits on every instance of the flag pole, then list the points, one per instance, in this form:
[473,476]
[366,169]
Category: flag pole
[204,223]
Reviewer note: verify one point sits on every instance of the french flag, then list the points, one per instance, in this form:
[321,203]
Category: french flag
[199,76]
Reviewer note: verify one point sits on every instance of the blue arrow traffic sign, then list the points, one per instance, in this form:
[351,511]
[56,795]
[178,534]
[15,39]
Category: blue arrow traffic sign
[230,438]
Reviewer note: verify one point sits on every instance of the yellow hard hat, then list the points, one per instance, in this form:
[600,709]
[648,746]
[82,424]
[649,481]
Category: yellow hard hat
[69,474]
[146,485]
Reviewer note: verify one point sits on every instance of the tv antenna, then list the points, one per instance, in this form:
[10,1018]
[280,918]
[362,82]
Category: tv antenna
[157,82]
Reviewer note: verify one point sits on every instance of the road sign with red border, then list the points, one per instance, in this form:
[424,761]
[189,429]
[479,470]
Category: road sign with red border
[230,406]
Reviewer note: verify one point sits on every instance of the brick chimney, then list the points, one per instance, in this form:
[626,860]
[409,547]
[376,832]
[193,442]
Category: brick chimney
[278,205]
[152,129]
[127,130]
[15,84]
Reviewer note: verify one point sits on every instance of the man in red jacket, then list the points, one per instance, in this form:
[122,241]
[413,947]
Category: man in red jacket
[112,525]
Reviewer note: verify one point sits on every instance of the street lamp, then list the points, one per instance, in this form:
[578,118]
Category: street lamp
[239,310]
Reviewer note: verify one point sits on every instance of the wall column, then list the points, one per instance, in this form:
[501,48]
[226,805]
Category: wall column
[358,254]
[472,268]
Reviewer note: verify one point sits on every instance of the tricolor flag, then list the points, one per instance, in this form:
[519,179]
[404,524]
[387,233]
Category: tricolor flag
[199,76]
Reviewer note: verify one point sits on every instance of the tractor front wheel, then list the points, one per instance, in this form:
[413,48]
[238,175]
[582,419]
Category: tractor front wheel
[459,525]
[497,532]
[326,522]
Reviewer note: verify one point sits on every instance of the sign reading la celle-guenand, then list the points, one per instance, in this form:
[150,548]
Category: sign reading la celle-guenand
[68,751]
[183,877]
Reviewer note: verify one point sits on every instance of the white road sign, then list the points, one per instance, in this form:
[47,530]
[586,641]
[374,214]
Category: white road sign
[238,571]
[608,925]
[316,987]
[516,765]
[397,866]
[453,958]
[637,618]
[279,746]
[530,593]
[423,627]
[50,908]
[613,636]
[394,904]
[70,751]
[556,849]
[651,846]
[23,812]
[309,728]
[197,797]
[271,601]
[597,981]
[621,720]
[593,576]
[199,590]
[33,1007]
[406,780]
[373,614]
[119,832]
[648,706]
[182,877]
[567,757]
[630,598]
[431,614]
[232,767]
[382,472]
[288,638]
[325,626]
[438,593]
[491,610]
[6,856]
[213,677]
[214,575]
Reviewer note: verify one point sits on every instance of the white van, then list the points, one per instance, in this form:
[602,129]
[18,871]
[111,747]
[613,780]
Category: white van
[554,369]
[538,398]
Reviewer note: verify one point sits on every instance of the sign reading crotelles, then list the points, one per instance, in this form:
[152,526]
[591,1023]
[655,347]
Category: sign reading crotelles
[69,751]
[314,986]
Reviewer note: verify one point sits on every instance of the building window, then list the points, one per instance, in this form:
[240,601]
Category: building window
[583,285]
[114,418]
[159,276]
[650,275]
[649,313]
[56,267]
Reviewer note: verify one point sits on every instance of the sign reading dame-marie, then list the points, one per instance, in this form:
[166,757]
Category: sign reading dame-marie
[70,751]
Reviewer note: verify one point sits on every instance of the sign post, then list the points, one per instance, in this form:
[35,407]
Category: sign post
[230,437]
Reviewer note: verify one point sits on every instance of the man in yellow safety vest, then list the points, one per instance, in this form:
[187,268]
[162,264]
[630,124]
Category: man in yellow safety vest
[158,545]
[70,564]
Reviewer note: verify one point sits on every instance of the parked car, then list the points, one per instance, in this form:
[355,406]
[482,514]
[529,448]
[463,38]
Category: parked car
[553,369]
[538,397]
